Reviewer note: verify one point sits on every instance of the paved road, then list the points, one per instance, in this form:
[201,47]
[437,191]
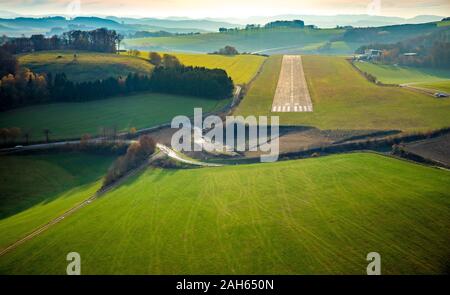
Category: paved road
[292,94]
[172,154]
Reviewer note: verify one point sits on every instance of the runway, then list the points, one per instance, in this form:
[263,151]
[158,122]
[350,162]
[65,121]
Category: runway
[292,93]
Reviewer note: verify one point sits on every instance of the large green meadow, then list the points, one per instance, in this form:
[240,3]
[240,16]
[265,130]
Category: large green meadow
[72,120]
[37,188]
[313,216]
[86,66]
[268,41]
[343,99]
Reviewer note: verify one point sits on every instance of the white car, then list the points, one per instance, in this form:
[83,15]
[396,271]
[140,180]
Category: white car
[440,94]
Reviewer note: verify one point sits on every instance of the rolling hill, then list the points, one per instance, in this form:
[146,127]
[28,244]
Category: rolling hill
[86,66]
[314,216]
[336,41]
[268,41]
[38,188]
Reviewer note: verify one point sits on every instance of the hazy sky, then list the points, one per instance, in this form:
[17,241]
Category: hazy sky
[227,8]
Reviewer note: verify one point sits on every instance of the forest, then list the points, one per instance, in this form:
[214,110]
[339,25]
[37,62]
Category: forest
[427,50]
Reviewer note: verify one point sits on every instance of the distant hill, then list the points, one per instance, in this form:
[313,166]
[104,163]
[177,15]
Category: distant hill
[15,27]
[331,21]
[198,24]
[285,40]
[387,34]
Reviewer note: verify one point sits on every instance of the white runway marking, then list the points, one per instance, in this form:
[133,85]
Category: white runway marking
[292,92]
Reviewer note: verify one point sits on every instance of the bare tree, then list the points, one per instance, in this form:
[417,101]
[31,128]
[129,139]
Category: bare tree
[47,132]
[119,39]
[26,136]
[14,133]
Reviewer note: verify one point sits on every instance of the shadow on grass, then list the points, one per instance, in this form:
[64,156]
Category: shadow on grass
[26,181]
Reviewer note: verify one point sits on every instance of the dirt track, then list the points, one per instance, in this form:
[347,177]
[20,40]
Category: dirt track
[292,94]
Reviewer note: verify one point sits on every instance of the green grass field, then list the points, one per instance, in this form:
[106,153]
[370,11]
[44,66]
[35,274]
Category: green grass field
[390,74]
[37,188]
[87,66]
[314,216]
[344,99]
[264,41]
[442,86]
[443,23]
[241,68]
[71,120]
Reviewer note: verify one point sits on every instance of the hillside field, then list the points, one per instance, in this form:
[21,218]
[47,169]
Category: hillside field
[441,86]
[390,74]
[72,120]
[38,188]
[87,66]
[344,99]
[314,216]
[241,68]
[270,41]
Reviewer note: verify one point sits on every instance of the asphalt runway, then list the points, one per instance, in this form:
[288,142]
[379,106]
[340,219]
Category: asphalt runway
[292,93]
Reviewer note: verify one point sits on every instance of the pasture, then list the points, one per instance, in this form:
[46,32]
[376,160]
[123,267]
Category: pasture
[72,120]
[314,216]
[390,74]
[241,68]
[87,66]
[344,99]
[270,41]
[37,188]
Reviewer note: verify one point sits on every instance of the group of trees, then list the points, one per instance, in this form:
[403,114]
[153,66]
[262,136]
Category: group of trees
[195,81]
[227,50]
[101,40]
[25,87]
[286,24]
[146,34]
[271,25]
[136,154]
[169,76]
[11,134]
[428,50]
[8,63]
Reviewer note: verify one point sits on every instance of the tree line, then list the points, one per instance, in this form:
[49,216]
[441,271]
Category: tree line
[25,87]
[100,40]
[136,154]
[428,50]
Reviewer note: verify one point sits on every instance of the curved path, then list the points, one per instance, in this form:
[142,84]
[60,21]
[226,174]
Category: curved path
[172,154]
